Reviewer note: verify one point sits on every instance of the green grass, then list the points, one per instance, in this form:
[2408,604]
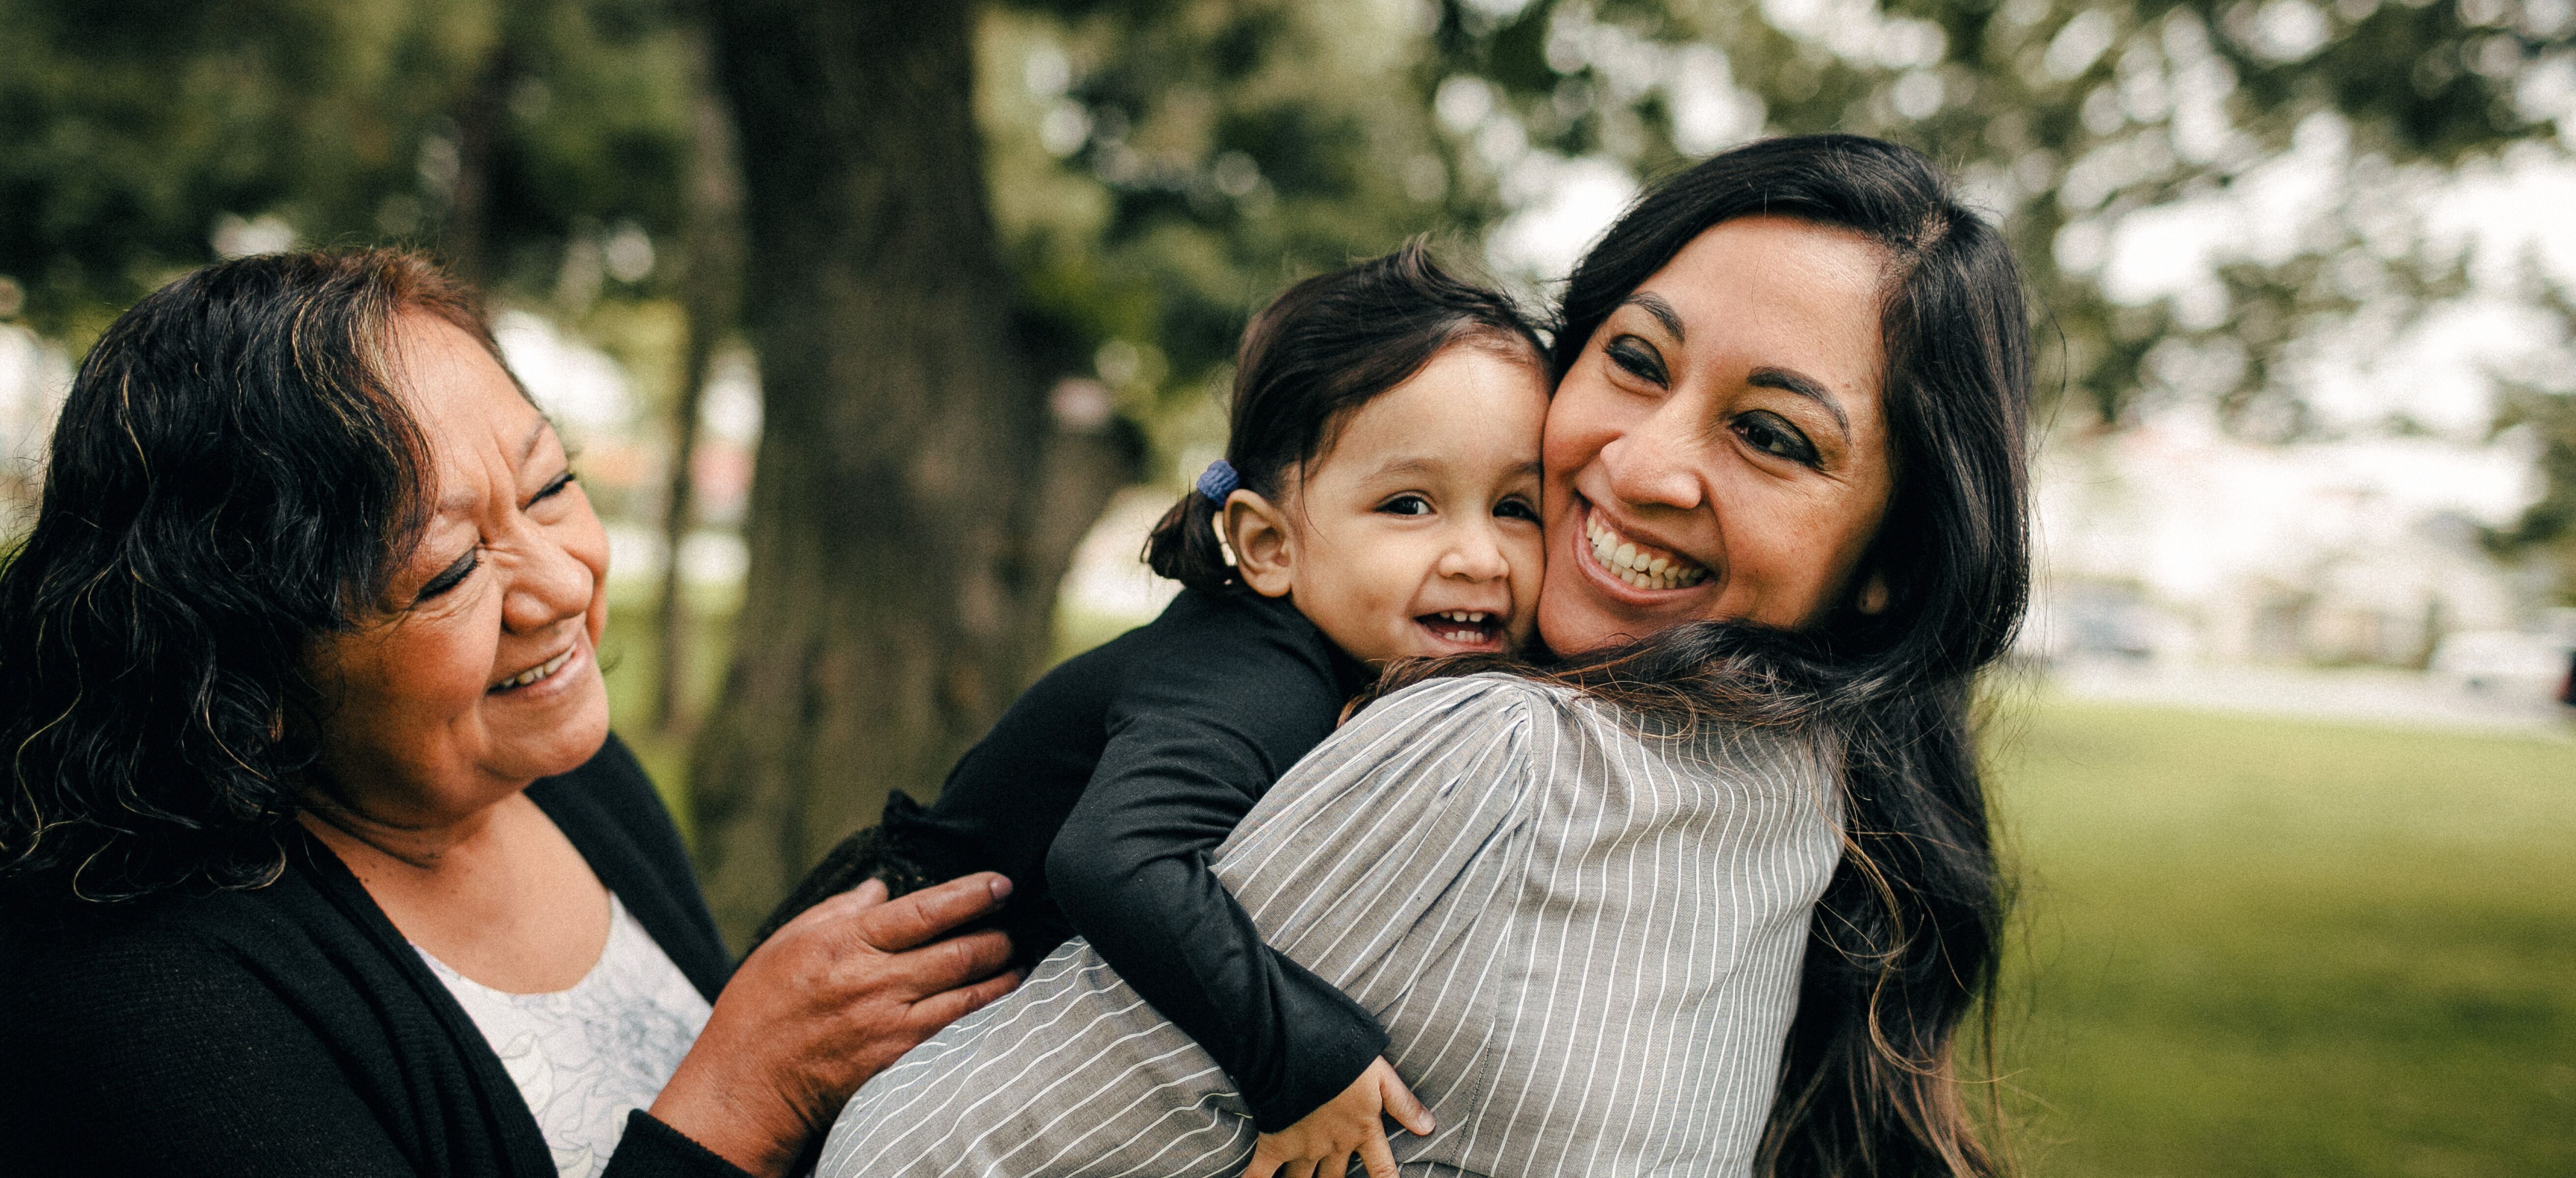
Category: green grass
[2258,947]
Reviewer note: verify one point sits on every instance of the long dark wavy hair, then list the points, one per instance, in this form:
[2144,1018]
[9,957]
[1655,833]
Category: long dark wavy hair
[233,476]
[1310,359]
[1904,941]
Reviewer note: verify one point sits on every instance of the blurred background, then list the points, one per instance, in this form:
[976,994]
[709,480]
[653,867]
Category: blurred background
[885,331]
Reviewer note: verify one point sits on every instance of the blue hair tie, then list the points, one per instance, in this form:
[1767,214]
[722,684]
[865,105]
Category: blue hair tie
[1218,481]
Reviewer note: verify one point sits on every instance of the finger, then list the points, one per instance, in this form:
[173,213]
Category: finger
[1299,1168]
[945,965]
[1264,1163]
[1401,1104]
[941,1009]
[921,917]
[870,893]
[1377,1156]
[1336,1166]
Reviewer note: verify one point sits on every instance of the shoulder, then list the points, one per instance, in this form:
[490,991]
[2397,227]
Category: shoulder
[1215,630]
[1571,730]
[186,962]
[1246,662]
[1492,715]
[1487,698]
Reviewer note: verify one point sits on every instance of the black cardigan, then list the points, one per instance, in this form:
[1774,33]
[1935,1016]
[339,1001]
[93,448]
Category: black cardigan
[290,1030]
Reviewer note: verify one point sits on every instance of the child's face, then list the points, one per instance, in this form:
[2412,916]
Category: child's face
[1418,533]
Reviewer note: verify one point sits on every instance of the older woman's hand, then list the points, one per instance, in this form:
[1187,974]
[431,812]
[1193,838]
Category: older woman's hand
[829,1001]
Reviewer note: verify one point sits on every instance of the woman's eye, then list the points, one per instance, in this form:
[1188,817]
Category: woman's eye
[1516,508]
[1637,358]
[553,488]
[1406,505]
[1771,435]
[450,577]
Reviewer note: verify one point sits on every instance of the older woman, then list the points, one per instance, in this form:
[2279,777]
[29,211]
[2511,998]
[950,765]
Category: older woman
[316,853]
[1711,894]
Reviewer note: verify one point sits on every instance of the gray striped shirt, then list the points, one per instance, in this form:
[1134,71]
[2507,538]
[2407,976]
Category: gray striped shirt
[1583,936]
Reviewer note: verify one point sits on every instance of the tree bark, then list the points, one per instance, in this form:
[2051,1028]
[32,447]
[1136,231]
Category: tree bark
[711,278]
[912,509]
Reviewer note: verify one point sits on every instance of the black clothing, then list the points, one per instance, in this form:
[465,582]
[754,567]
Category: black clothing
[1104,792]
[290,1030]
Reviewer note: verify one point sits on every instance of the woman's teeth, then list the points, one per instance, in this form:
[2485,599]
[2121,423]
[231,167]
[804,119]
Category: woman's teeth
[532,674]
[1643,566]
[1471,624]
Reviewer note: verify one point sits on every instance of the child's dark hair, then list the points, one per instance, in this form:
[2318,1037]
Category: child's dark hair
[1310,359]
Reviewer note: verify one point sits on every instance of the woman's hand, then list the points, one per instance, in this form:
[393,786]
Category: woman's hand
[1321,1143]
[830,1000]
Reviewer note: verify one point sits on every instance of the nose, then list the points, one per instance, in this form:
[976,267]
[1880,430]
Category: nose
[548,585]
[1655,463]
[1475,553]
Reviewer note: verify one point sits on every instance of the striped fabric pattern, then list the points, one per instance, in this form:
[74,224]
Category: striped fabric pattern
[1582,932]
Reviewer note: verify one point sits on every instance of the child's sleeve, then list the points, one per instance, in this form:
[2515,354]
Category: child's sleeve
[1350,850]
[1188,756]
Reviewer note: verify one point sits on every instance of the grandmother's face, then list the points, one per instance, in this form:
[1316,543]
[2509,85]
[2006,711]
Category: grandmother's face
[1719,449]
[480,673]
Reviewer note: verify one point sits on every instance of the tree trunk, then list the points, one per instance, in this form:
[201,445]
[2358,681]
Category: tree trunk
[901,583]
[711,278]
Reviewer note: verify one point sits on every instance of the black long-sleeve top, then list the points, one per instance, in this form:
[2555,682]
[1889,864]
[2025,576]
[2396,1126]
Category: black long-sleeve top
[1104,792]
[289,1031]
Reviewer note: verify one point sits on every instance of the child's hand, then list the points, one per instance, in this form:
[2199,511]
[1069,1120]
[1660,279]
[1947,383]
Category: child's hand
[1321,1143]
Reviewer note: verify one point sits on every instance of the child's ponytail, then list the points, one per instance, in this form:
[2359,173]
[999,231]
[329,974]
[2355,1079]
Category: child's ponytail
[1184,545]
[1310,359]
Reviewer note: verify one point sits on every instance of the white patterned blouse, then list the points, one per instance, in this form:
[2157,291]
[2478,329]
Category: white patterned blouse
[585,1057]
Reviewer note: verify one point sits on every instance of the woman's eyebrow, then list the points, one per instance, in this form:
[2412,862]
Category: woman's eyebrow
[1791,381]
[1654,304]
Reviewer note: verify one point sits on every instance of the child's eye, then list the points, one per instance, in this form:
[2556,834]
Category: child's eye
[1406,505]
[1516,508]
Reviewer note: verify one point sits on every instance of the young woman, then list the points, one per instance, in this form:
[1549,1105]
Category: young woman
[1711,893]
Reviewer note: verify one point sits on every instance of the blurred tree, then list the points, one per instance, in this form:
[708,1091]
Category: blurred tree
[711,294]
[139,138]
[914,504]
[2545,409]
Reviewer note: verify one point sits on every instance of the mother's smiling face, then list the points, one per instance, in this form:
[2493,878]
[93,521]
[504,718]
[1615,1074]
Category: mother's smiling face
[1719,447]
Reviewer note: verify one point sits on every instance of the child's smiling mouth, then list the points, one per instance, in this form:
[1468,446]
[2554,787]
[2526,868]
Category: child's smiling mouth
[1475,629]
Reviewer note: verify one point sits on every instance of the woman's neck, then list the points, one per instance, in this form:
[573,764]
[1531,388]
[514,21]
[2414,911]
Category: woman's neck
[354,829]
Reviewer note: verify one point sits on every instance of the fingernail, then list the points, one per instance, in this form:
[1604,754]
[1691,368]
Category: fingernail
[1001,887]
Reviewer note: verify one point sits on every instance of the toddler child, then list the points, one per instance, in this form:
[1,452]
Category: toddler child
[1378,500]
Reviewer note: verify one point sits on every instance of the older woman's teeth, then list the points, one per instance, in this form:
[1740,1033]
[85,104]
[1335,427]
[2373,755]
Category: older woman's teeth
[532,674]
[1642,566]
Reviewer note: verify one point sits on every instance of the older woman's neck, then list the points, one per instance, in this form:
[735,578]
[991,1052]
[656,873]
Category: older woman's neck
[417,839]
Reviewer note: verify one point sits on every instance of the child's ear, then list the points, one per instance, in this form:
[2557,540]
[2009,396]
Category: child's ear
[1264,555]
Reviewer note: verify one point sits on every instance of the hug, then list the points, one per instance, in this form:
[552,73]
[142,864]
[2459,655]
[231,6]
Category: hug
[1561,745]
